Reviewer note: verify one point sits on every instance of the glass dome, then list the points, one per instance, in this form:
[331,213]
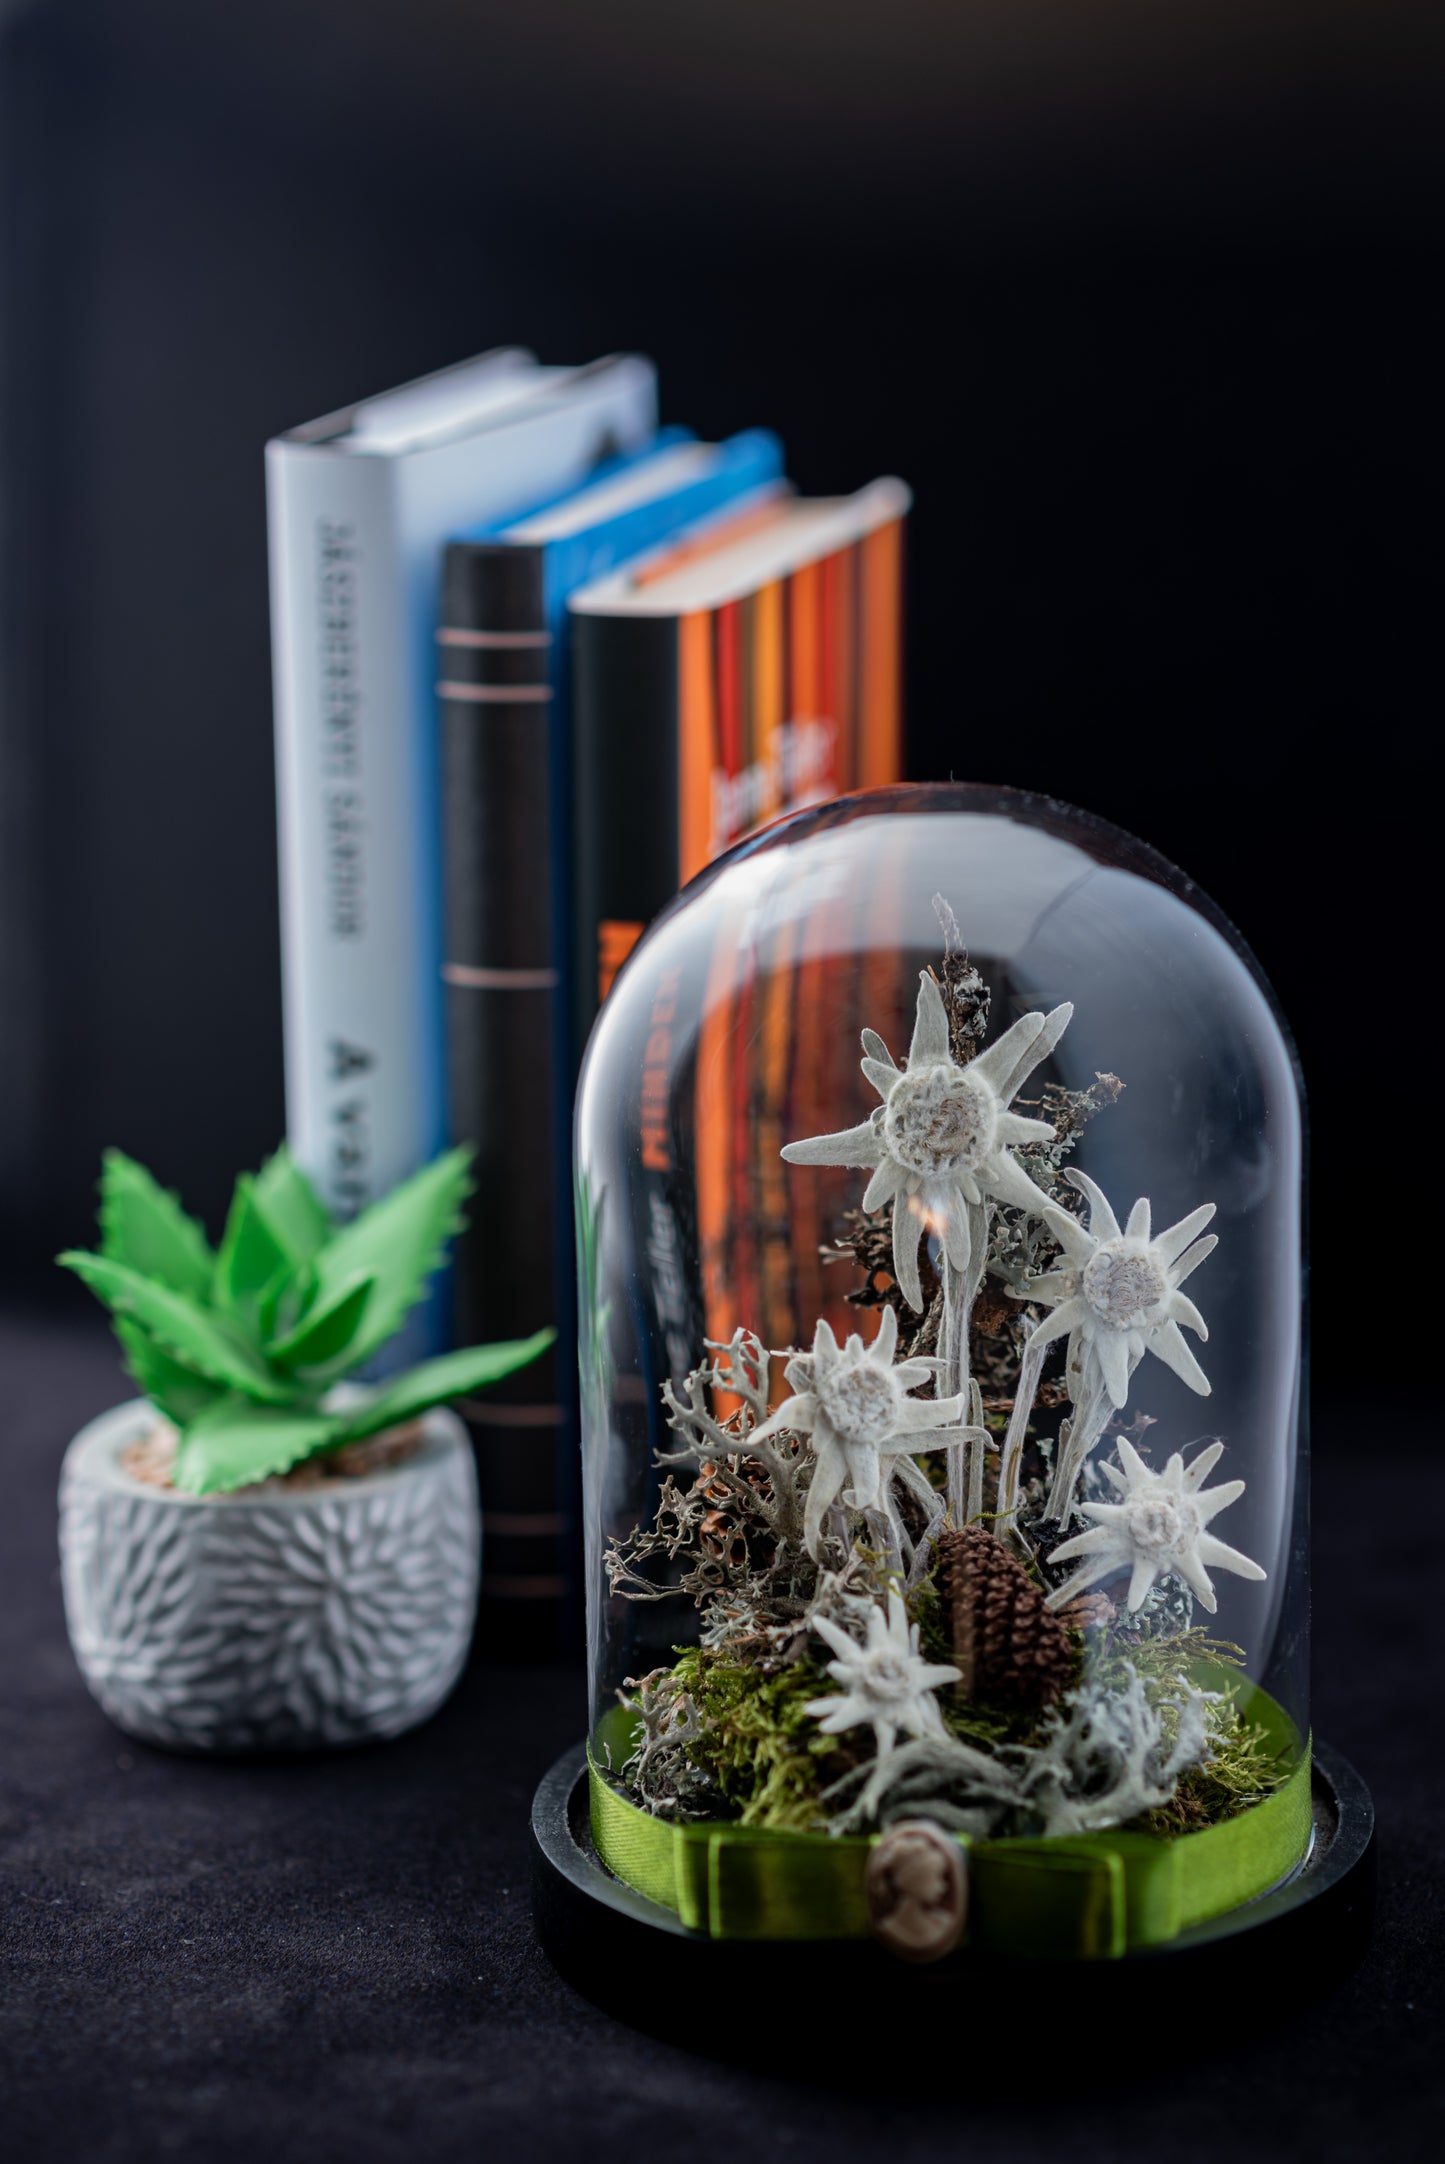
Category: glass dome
[939,1162]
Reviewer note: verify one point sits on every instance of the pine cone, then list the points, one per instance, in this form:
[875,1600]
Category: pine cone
[1013,1651]
[1086,1612]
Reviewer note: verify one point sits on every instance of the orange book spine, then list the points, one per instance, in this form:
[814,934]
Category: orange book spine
[699,749]
[728,637]
[880,755]
[712,1153]
[820,650]
[770,696]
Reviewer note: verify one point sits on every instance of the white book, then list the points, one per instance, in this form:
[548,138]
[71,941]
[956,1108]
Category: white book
[359,505]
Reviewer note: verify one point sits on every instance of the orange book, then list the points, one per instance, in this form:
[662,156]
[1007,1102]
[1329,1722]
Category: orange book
[719,685]
[719,682]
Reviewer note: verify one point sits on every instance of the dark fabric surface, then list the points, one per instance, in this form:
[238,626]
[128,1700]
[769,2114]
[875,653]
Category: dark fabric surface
[335,1959]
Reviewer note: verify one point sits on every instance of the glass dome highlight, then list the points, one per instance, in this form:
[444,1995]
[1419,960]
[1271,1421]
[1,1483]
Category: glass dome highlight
[939,1163]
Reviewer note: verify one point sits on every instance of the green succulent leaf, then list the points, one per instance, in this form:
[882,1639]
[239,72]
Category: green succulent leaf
[323,1338]
[174,1389]
[235,1443]
[252,1254]
[292,1206]
[436,1382]
[286,1299]
[399,1241]
[144,1227]
[206,1343]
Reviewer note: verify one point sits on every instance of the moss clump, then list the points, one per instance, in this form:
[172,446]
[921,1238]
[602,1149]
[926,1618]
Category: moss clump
[1165,1661]
[1245,1765]
[762,1749]
[926,1609]
[766,1761]
[1245,1768]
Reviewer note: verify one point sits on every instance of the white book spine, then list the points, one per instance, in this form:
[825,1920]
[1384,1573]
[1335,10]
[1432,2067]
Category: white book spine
[354,539]
[364,1093]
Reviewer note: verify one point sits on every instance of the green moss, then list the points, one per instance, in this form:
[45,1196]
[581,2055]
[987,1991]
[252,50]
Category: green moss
[1244,1769]
[1164,1663]
[762,1748]
[925,1608]
[769,1760]
[1245,1765]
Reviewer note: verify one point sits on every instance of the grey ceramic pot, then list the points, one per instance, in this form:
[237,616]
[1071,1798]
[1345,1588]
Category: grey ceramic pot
[279,1618]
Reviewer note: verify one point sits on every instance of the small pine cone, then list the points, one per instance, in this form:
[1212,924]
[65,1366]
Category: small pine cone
[1086,1612]
[1013,1651]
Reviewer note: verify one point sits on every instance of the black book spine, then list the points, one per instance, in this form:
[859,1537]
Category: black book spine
[494,689]
[624,819]
[625,794]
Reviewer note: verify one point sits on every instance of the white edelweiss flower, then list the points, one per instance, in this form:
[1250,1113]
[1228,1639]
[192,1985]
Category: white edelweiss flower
[940,1139]
[853,1404]
[1159,1526]
[887,1685]
[1117,1293]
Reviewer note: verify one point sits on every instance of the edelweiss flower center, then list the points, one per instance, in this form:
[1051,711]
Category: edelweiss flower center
[885,1675]
[1123,1284]
[940,1120]
[1161,1524]
[861,1401]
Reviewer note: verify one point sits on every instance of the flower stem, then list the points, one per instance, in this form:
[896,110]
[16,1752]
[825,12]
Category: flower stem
[1091,1417]
[885,1532]
[976,1449]
[953,1381]
[1011,1461]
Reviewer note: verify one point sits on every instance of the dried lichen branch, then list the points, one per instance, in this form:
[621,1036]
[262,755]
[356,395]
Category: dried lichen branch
[966,998]
[743,1371]
[1106,1756]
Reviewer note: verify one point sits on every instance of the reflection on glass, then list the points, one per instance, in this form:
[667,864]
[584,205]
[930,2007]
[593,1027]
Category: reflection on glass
[939,1175]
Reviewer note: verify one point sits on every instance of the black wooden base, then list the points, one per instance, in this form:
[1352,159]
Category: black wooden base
[1250,1968]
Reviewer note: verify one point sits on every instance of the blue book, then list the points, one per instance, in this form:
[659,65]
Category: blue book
[506,765]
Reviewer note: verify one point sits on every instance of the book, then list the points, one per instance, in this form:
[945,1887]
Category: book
[359,504]
[718,684]
[504,716]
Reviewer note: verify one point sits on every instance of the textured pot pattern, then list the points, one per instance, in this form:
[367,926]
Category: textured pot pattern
[278,1618]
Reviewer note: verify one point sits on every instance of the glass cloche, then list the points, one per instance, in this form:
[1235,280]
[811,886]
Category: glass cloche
[939,1162]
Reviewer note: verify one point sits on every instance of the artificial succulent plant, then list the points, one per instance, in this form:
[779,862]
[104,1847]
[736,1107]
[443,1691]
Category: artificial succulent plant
[242,1347]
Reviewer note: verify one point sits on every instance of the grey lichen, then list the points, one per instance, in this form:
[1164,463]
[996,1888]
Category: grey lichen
[1107,1755]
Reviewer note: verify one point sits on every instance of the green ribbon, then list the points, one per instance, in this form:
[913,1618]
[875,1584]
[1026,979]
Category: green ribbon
[1094,1896]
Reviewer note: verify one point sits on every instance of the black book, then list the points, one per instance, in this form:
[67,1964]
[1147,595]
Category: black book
[505,709]
[494,693]
[625,859]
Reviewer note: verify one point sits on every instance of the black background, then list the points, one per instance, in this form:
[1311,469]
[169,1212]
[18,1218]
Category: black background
[1144,303]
